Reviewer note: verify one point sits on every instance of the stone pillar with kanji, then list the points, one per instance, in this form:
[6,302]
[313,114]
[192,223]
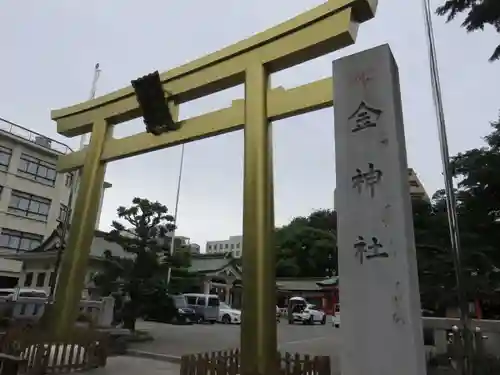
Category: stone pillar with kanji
[379,296]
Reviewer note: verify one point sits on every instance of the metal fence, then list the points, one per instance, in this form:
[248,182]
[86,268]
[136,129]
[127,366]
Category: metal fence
[33,137]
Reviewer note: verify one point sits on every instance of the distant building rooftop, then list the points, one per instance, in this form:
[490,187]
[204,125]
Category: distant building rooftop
[38,139]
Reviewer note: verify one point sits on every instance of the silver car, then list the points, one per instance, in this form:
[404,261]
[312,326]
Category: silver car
[206,306]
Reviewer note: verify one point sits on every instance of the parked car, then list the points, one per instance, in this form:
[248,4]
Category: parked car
[295,305]
[309,314]
[299,310]
[206,306]
[228,315]
[171,309]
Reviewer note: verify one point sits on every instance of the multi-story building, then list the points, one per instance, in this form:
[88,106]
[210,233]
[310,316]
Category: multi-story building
[195,249]
[180,241]
[416,188]
[33,196]
[185,242]
[232,245]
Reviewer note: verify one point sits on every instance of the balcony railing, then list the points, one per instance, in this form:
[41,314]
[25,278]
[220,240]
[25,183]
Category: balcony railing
[33,137]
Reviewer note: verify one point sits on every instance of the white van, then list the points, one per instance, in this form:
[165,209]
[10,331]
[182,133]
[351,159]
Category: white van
[206,306]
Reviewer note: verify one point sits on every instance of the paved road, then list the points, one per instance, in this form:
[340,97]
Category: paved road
[179,340]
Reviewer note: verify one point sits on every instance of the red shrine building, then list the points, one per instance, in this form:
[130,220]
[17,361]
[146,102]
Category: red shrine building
[221,275]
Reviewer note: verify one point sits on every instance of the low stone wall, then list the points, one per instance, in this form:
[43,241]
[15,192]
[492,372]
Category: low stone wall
[32,308]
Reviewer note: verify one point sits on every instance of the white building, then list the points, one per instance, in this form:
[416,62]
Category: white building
[233,245]
[180,241]
[33,196]
[185,242]
[416,188]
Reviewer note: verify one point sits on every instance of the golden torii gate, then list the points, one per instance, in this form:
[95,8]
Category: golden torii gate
[324,29]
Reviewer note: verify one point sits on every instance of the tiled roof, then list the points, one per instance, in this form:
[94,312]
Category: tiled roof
[304,284]
[98,247]
[209,263]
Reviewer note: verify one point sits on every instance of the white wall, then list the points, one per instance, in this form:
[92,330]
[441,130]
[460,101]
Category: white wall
[10,268]
[10,180]
[43,267]
[234,244]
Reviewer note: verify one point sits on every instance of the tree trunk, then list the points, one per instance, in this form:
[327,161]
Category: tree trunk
[129,322]
[129,316]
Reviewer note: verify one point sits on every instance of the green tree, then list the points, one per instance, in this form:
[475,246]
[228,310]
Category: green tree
[306,247]
[478,197]
[143,232]
[479,190]
[480,13]
[109,279]
[437,277]
[182,280]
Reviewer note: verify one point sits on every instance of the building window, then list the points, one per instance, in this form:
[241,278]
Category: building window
[28,280]
[19,241]
[226,246]
[418,195]
[37,170]
[237,245]
[29,205]
[63,211]
[40,279]
[5,155]
[232,246]
[69,179]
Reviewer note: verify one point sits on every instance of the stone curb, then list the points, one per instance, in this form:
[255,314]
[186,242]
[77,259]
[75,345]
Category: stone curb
[155,356]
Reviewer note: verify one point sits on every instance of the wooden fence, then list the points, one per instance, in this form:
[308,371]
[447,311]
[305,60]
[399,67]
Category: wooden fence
[36,352]
[228,363]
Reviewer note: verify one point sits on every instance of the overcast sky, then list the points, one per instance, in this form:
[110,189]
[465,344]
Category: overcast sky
[49,49]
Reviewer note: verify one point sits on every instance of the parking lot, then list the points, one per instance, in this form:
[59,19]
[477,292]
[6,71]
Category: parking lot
[178,340]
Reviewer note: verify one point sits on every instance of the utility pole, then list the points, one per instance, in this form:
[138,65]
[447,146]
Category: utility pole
[172,242]
[451,204]
[75,177]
